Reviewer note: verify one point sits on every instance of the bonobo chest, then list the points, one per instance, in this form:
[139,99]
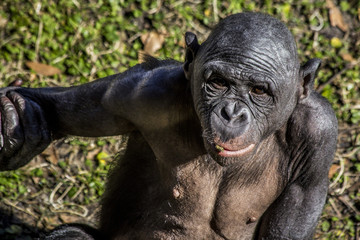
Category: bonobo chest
[212,202]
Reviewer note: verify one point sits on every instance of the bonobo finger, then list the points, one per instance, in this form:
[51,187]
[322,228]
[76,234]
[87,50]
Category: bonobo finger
[28,118]
[11,128]
[36,133]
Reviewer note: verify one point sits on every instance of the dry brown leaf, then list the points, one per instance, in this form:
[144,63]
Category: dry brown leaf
[36,180]
[43,69]
[181,43]
[66,218]
[51,221]
[32,77]
[152,41]
[92,154]
[336,19]
[333,170]
[347,57]
[51,154]
[3,22]
[141,56]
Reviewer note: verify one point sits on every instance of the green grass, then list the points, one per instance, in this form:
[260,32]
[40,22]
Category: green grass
[90,39]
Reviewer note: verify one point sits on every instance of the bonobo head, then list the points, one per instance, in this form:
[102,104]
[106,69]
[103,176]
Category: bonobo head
[246,81]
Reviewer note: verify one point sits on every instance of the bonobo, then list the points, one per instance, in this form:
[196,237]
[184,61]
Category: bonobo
[234,143]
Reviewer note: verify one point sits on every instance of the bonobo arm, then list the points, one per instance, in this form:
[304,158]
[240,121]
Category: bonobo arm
[78,110]
[31,117]
[312,132]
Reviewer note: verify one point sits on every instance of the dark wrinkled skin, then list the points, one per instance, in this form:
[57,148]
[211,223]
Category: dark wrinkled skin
[232,144]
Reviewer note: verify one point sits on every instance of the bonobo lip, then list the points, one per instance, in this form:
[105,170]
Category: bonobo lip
[224,152]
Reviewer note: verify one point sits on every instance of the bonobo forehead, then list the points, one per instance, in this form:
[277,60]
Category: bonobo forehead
[255,41]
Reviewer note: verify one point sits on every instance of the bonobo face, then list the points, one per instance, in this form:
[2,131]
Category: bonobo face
[244,84]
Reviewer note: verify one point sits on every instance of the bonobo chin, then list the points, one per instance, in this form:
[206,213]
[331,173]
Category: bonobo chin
[232,143]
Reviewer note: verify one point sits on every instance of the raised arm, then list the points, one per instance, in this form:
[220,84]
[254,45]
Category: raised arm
[79,110]
[31,117]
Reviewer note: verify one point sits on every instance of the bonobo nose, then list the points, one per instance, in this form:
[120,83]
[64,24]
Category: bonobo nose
[234,113]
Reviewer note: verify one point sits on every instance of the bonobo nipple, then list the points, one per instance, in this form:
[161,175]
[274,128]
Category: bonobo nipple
[251,220]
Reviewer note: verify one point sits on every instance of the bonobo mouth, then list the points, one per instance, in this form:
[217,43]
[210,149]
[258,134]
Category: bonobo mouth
[225,152]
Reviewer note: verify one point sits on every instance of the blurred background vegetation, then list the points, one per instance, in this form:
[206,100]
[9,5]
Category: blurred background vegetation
[70,42]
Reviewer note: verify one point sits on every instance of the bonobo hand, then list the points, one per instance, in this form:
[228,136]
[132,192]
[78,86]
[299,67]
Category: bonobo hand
[23,130]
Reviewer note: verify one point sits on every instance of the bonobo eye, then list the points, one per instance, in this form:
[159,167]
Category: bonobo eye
[217,83]
[258,90]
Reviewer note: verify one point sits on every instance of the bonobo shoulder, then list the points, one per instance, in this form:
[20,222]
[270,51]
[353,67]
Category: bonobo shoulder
[151,73]
[147,89]
[315,120]
[150,62]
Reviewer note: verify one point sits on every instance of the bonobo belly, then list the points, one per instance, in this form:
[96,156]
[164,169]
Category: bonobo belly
[204,203]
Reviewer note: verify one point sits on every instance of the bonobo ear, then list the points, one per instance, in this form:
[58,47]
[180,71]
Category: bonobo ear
[307,74]
[192,47]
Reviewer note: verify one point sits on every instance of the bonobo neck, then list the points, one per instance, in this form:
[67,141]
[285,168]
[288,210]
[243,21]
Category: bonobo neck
[189,128]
